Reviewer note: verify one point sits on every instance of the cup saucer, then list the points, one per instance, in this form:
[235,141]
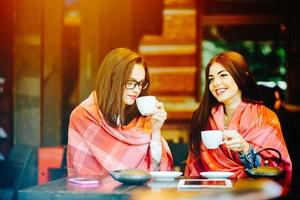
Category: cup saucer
[216,174]
[165,175]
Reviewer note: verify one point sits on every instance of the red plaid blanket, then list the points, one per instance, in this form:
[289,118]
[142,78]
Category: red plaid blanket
[96,148]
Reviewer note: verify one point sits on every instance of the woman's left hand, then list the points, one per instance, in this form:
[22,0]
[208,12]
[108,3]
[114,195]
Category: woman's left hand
[235,142]
[159,116]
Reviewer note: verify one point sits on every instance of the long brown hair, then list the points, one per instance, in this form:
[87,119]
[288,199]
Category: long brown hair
[238,68]
[112,75]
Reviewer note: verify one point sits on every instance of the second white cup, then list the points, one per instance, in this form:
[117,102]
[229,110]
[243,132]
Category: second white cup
[212,138]
[146,105]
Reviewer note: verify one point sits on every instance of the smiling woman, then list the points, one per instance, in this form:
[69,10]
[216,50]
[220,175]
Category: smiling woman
[107,132]
[231,103]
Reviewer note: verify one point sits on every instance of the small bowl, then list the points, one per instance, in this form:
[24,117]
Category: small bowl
[131,176]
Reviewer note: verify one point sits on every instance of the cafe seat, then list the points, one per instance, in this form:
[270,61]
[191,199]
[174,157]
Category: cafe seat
[180,152]
[52,163]
[18,171]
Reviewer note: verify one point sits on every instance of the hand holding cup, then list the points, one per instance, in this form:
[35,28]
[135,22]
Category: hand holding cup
[235,141]
[212,138]
[149,106]
[159,116]
[146,105]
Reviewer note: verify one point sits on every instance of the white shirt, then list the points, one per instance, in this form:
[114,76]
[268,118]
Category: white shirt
[156,152]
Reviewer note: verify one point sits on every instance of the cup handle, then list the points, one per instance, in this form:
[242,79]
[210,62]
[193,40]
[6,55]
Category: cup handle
[223,141]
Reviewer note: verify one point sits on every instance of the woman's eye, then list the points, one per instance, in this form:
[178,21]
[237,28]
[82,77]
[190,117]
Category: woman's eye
[224,75]
[130,83]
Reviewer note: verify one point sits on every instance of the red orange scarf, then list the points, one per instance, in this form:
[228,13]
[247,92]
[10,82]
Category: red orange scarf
[96,148]
[257,124]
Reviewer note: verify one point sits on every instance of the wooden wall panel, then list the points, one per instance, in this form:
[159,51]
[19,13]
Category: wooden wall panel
[105,25]
[90,51]
[52,70]
[171,60]
[27,71]
[37,70]
[173,80]
[179,3]
[179,28]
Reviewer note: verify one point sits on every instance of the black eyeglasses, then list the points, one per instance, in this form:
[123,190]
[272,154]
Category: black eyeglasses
[131,84]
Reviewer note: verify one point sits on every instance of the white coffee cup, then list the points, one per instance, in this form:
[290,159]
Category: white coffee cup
[212,138]
[146,105]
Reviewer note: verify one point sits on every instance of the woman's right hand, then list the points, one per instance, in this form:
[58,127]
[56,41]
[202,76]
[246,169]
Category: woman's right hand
[158,117]
[235,142]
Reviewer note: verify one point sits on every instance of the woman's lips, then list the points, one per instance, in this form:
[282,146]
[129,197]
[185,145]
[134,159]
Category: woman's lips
[220,91]
[132,97]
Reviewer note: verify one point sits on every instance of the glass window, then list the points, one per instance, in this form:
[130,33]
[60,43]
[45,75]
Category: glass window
[262,45]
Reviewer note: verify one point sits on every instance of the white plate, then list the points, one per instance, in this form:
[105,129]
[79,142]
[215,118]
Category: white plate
[216,174]
[165,175]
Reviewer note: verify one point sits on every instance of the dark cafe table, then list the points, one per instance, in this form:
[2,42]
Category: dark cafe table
[153,190]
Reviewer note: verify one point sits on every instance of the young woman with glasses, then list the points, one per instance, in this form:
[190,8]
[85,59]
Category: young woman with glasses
[107,132]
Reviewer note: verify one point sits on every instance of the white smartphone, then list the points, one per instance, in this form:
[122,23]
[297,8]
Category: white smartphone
[204,183]
[83,180]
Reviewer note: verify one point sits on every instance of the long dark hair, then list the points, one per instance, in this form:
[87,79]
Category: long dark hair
[238,68]
[112,75]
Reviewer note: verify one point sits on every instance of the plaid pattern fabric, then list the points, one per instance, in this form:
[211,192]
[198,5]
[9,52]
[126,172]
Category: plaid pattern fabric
[258,125]
[96,148]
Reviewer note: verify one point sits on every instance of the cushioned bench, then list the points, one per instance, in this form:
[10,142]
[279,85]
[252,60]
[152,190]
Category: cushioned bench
[18,171]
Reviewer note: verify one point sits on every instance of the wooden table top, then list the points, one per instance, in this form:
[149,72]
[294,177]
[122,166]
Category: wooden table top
[152,190]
